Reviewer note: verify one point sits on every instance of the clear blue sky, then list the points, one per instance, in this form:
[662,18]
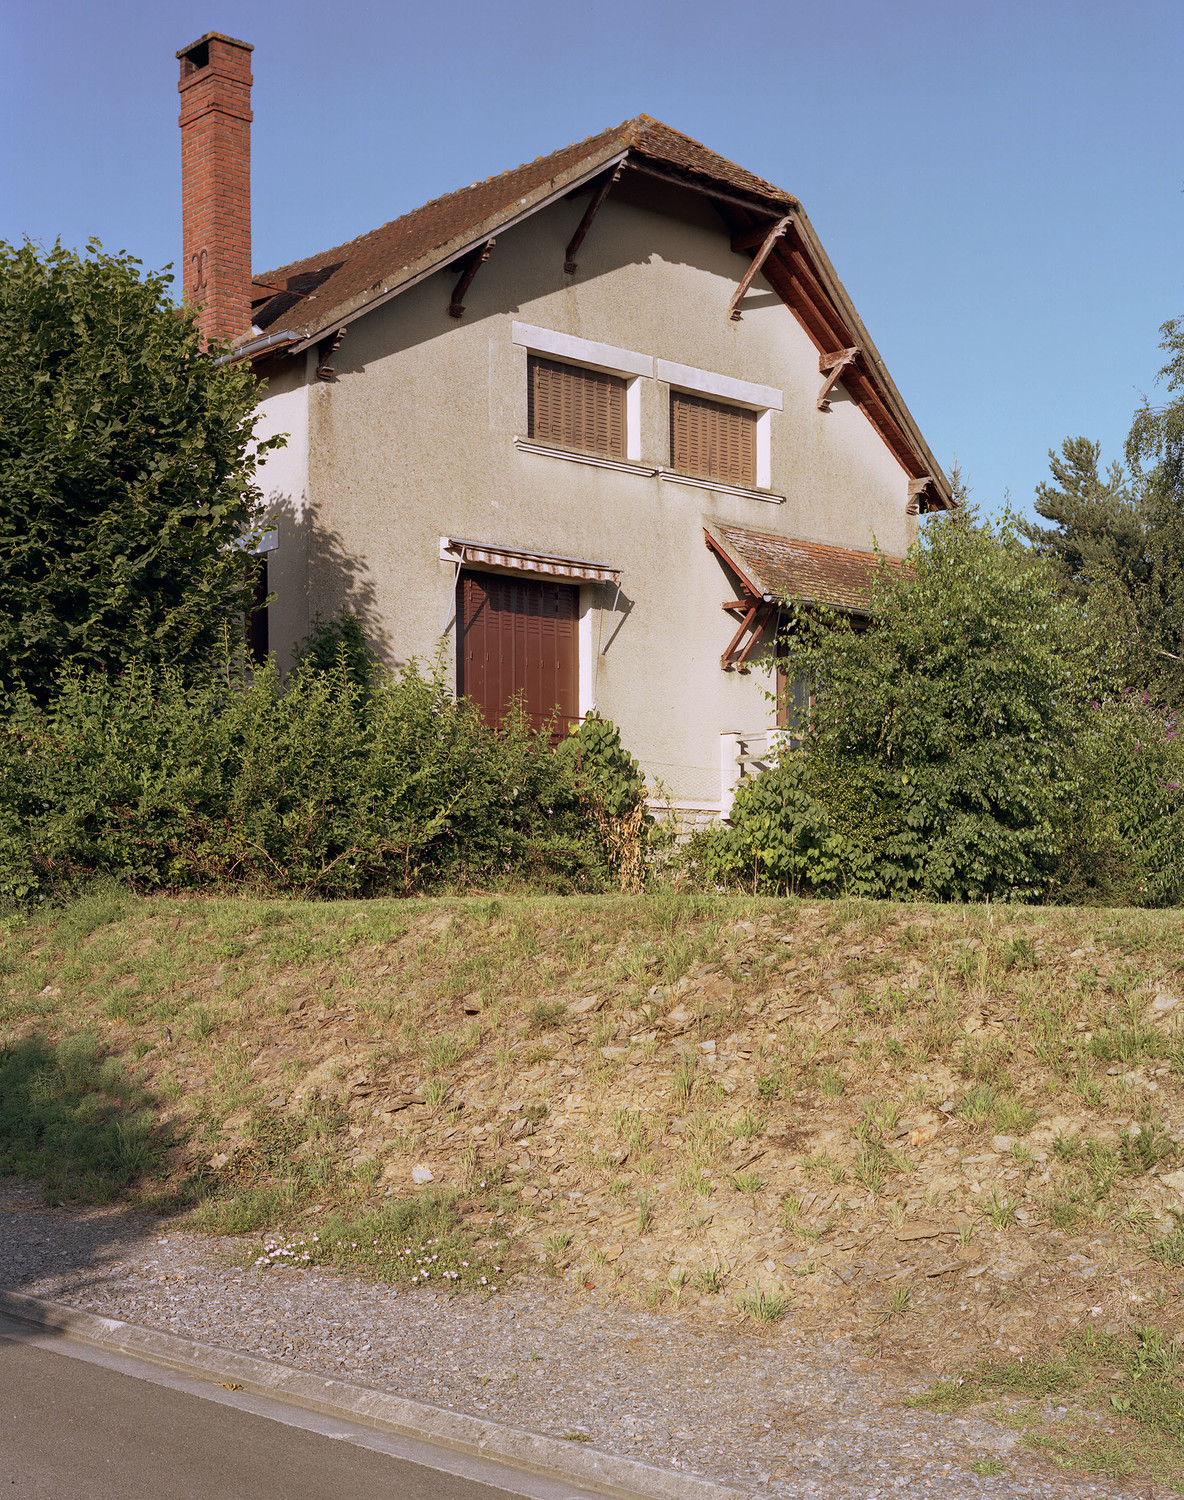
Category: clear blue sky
[998,184]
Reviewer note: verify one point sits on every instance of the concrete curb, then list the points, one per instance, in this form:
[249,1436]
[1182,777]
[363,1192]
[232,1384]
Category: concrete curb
[551,1458]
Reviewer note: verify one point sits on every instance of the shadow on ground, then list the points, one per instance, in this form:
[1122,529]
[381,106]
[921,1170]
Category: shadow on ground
[77,1128]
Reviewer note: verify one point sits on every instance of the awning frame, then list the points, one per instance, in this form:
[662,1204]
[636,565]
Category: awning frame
[526,564]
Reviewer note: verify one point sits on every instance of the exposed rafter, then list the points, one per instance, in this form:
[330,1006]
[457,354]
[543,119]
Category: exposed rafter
[832,366]
[758,260]
[599,195]
[476,260]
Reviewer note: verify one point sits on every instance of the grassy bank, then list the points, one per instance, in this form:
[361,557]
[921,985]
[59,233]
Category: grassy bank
[952,1133]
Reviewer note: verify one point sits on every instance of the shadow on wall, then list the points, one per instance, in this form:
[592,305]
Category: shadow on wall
[329,580]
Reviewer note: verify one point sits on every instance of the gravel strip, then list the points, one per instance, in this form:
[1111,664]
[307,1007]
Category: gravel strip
[768,1411]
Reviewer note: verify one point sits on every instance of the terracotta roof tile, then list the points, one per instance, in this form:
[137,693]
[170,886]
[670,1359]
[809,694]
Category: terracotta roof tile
[810,572]
[320,286]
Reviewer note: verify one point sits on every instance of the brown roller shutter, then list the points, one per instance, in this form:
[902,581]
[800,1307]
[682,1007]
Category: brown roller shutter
[577,408]
[712,439]
[518,640]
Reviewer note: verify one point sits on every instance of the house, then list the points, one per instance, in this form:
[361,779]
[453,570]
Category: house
[588,423]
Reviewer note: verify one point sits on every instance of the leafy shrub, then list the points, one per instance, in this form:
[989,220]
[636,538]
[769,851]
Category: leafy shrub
[1124,834]
[127,467]
[781,836]
[939,752]
[317,786]
[611,790]
[340,645]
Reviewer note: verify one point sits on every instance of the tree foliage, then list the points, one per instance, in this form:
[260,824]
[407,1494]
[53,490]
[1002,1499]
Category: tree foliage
[1098,530]
[937,755]
[126,471]
[1118,542]
[316,786]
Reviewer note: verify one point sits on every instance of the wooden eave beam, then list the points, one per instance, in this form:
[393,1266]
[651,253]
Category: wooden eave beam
[808,301]
[824,331]
[755,595]
[766,249]
[456,308]
[790,273]
[601,193]
[812,290]
[751,238]
[326,349]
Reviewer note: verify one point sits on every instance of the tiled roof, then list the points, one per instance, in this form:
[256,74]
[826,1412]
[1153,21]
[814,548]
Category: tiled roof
[301,303]
[320,287]
[809,572]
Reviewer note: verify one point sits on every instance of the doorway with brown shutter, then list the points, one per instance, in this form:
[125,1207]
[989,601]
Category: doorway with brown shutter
[517,638]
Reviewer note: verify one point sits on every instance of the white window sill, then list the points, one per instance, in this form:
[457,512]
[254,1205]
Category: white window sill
[743,491]
[575,456]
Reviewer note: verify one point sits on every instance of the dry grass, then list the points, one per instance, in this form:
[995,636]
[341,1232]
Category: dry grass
[968,1113]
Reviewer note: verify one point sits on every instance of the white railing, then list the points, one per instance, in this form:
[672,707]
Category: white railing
[745,754]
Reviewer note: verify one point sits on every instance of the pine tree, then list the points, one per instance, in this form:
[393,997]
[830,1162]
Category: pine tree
[1099,532]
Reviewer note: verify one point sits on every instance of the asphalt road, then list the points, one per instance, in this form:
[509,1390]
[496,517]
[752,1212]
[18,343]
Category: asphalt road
[72,1427]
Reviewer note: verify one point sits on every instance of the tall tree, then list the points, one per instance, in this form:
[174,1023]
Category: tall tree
[127,468]
[1099,530]
[1155,454]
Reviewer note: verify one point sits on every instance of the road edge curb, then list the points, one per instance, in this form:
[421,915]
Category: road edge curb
[553,1458]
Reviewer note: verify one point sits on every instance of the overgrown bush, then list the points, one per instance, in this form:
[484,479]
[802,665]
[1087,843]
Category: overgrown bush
[611,790]
[1124,839]
[939,750]
[341,644]
[318,786]
[780,838]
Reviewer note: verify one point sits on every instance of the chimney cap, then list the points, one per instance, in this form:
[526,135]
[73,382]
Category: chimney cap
[215,36]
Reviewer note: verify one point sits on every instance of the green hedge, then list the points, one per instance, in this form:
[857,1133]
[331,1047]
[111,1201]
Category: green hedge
[320,786]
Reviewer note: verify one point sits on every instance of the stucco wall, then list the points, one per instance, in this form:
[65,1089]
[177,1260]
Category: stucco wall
[415,440]
[283,479]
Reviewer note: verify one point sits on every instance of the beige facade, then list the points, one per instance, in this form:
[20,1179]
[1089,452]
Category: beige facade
[420,436]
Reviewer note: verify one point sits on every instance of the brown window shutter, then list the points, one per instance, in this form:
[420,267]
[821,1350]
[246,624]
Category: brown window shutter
[577,408]
[712,439]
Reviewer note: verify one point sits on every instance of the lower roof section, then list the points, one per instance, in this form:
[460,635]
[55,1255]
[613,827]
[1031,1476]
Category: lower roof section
[778,567]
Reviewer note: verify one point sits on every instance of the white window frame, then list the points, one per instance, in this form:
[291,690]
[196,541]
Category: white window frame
[627,363]
[763,399]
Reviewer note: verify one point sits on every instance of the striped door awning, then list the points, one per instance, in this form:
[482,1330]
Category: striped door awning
[513,559]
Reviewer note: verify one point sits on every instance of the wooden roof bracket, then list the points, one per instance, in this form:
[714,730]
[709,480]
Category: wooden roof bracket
[606,186]
[917,487]
[326,349]
[756,605]
[476,260]
[725,660]
[758,260]
[767,608]
[832,366]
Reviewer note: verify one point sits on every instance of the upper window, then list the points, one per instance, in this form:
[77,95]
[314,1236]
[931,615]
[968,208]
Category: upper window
[577,408]
[713,439]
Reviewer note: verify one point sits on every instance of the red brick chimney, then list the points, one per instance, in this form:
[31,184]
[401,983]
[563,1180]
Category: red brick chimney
[215,125]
